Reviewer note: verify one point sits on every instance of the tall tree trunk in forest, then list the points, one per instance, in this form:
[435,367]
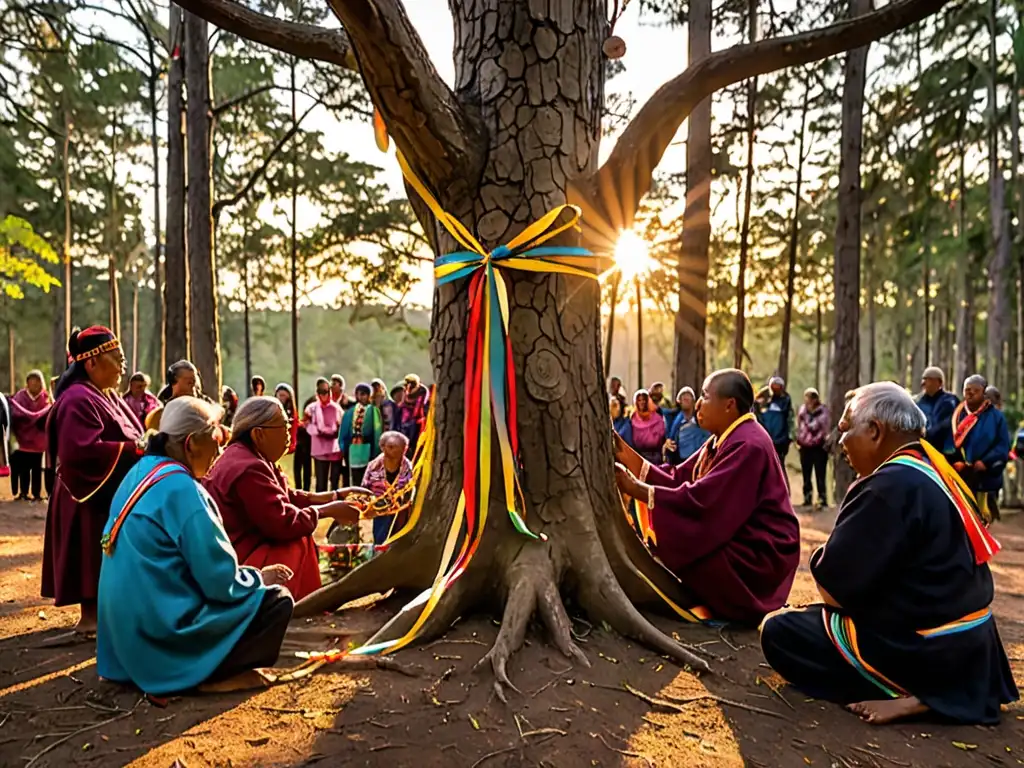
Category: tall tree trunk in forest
[748,195]
[1017,181]
[999,261]
[111,234]
[517,137]
[611,328]
[794,244]
[817,344]
[60,356]
[689,361]
[869,298]
[294,240]
[846,364]
[176,277]
[639,335]
[966,358]
[135,324]
[247,330]
[204,325]
[157,350]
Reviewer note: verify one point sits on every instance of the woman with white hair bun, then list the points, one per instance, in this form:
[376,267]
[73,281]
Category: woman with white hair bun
[176,611]
[266,520]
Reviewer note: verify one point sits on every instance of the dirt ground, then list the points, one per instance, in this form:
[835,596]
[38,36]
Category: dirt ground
[55,712]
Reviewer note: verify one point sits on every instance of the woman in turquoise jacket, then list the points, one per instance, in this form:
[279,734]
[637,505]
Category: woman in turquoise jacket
[176,611]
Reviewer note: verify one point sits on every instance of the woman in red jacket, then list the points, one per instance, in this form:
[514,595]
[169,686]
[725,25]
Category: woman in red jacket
[267,521]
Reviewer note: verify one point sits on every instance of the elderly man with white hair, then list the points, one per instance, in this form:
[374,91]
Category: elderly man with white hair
[905,625]
[937,405]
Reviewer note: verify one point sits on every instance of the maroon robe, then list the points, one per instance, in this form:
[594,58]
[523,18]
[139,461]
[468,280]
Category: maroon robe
[730,536]
[267,521]
[93,445]
[28,418]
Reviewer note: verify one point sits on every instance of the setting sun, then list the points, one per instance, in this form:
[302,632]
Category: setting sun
[632,255]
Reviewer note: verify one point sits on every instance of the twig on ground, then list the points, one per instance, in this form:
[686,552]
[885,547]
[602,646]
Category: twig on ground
[382,747]
[558,676]
[721,634]
[92,727]
[624,752]
[378,724]
[775,689]
[675,704]
[495,753]
[444,641]
[836,757]
[880,756]
[7,716]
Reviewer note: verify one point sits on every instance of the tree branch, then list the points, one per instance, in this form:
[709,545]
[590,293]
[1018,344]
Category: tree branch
[306,41]
[441,140]
[241,98]
[258,174]
[614,192]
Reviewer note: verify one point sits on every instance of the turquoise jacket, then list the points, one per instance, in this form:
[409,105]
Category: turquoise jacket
[173,600]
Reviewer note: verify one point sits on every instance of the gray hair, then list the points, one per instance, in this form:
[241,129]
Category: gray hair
[976,380]
[889,404]
[931,372]
[254,412]
[387,437]
[186,416]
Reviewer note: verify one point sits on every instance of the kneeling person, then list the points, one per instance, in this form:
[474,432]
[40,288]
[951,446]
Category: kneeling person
[906,625]
[175,608]
[722,521]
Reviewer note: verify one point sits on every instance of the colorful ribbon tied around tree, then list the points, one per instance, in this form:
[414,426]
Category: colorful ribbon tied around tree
[490,393]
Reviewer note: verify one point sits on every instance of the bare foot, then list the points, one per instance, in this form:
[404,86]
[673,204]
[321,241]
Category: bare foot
[245,681]
[889,710]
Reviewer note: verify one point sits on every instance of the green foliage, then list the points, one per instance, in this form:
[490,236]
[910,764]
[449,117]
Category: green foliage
[21,251]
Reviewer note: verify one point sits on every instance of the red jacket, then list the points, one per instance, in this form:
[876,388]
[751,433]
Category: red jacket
[267,521]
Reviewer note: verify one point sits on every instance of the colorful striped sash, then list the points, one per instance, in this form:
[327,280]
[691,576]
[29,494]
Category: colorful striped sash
[154,476]
[962,425]
[934,466]
[964,623]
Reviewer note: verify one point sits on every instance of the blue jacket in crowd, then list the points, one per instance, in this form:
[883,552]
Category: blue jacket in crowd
[938,410]
[776,416]
[688,436]
[624,427]
[988,442]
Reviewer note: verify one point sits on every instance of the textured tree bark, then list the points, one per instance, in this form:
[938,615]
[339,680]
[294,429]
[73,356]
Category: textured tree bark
[60,339]
[1018,189]
[748,194]
[157,350]
[110,236]
[294,248]
[519,131]
[794,247]
[966,356]
[846,362]
[176,283]
[205,332]
[999,259]
[689,355]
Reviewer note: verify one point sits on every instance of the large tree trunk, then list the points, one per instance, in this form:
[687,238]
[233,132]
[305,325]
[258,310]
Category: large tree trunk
[202,278]
[846,362]
[246,328]
[63,331]
[817,344]
[748,194]
[794,245]
[869,298]
[176,285]
[694,253]
[111,231]
[1018,188]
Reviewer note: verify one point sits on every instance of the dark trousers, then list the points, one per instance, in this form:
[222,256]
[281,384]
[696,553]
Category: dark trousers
[26,471]
[327,473]
[260,644]
[814,461]
[782,449]
[795,645]
[357,475]
[303,469]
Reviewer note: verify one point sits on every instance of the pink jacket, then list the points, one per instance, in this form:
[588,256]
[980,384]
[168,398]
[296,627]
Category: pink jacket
[323,423]
[28,419]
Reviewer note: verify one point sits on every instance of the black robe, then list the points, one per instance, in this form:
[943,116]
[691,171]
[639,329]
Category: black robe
[901,566]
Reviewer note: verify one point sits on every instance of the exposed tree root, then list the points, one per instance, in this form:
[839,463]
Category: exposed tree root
[451,605]
[519,607]
[552,612]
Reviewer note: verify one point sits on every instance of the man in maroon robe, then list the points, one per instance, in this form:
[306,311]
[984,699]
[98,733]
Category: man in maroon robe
[29,410]
[93,440]
[722,521]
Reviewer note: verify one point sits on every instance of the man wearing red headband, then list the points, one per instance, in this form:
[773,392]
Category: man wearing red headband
[93,439]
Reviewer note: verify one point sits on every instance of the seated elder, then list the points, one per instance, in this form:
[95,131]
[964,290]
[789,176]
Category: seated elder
[905,625]
[722,521]
[388,477]
[268,522]
[176,611]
